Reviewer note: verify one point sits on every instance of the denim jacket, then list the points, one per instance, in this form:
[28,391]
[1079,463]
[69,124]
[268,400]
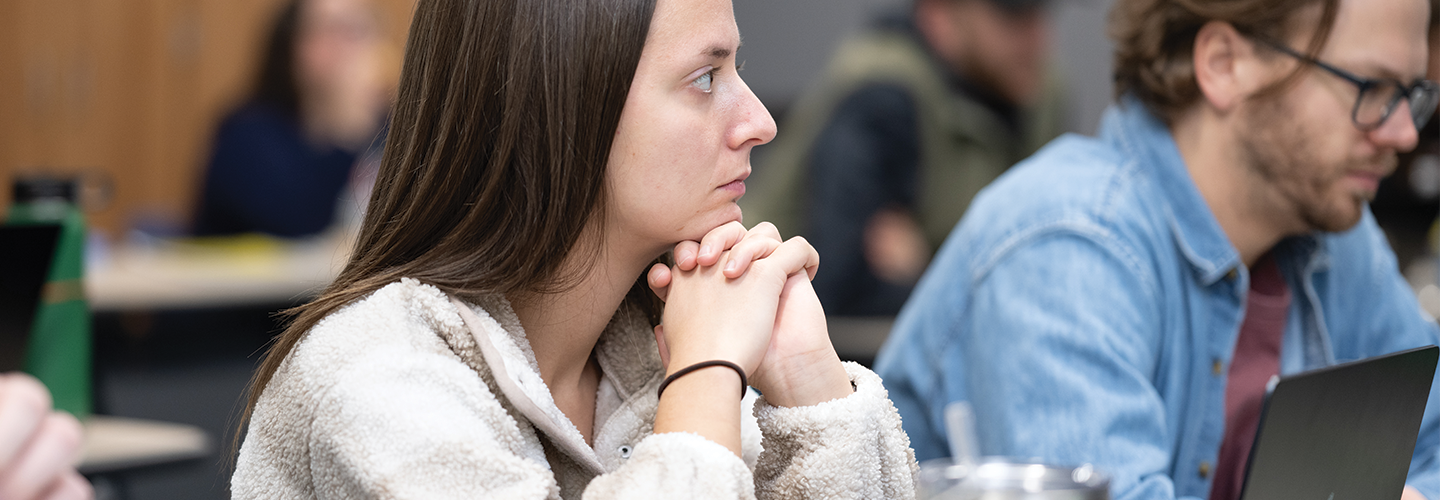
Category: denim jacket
[1088,306]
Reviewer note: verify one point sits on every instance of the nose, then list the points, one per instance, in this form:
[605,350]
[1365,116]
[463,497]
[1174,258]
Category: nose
[754,125]
[1398,130]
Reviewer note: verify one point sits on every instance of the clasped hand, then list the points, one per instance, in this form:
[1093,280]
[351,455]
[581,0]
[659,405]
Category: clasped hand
[37,446]
[745,297]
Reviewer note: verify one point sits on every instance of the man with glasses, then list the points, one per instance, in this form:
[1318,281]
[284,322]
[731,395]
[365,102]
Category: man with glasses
[1124,300]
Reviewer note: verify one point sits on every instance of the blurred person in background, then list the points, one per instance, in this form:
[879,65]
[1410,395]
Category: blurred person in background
[1124,300]
[282,161]
[38,447]
[912,117]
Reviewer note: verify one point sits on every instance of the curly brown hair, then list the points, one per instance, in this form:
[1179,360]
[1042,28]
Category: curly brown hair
[1155,42]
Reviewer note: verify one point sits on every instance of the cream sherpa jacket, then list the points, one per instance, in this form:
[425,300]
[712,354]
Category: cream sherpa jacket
[411,394]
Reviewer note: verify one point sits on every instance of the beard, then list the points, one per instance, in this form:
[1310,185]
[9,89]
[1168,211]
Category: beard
[1287,154]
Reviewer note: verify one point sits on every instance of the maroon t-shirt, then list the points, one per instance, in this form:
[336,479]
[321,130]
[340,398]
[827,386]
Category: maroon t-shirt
[1256,360]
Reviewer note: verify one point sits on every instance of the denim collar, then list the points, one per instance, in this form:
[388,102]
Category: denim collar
[1148,143]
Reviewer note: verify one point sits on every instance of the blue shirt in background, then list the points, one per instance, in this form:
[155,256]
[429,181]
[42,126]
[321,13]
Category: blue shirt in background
[1088,306]
[264,176]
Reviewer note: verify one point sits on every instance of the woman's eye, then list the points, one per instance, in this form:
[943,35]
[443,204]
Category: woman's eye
[703,81]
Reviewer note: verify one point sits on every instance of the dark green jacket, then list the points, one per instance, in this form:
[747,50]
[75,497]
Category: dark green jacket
[962,146]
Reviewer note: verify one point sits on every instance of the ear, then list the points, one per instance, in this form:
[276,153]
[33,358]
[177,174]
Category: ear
[1223,65]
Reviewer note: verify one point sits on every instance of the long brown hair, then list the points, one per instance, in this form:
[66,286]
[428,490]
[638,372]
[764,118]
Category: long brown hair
[496,156]
[1155,43]
[276,84]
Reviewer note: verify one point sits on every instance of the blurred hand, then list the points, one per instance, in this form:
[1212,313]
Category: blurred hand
[1411,494]
[37,446]
[895,248]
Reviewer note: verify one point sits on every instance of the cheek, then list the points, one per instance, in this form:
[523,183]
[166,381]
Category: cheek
[668,152]
[678,132]
[1317,131]
[690,143]
[660,174]
[654,143]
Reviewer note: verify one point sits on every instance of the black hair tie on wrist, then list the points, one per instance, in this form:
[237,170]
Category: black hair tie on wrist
[705,364]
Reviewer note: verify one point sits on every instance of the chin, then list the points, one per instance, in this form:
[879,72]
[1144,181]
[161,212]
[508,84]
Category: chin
[1341,218]
[697,231]
[730,214]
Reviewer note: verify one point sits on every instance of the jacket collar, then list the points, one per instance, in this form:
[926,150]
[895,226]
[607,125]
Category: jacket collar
[628,354]
[626,351]
[1147,142]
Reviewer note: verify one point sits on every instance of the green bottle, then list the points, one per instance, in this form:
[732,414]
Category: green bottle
[59,348]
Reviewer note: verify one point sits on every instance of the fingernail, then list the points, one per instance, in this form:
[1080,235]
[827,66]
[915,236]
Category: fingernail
[682,256]
[730,266]
[707,250]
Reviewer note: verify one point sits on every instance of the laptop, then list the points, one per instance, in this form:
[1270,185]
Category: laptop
[1341,432]
[25,255]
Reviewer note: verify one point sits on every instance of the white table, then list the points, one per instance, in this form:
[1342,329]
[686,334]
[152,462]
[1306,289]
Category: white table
[232,272]
[116,443]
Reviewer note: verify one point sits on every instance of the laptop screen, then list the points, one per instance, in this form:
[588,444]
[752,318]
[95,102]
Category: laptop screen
[1342,432]
[25,254]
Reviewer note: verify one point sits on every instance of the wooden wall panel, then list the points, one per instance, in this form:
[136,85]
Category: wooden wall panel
[131,88]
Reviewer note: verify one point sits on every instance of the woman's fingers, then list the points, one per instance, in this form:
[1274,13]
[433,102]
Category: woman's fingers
[706,252]
[745,252]
[24,402]
[685,253]
[757,244]
[717,241]
[765,229]
[45,459]
[795,255]
[743,246]
[659,280]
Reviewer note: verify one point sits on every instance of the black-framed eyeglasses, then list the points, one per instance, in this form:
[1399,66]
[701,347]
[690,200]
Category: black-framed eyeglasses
[1378,97]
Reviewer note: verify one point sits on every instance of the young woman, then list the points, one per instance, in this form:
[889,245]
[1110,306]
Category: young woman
[494,334]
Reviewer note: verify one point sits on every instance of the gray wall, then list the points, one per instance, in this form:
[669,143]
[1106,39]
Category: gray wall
[787,42]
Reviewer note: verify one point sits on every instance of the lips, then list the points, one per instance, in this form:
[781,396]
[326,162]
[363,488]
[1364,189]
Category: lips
[737,185]
[1367,182]
[1369,174]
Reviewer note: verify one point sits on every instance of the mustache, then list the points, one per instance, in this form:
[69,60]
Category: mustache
[1382,164]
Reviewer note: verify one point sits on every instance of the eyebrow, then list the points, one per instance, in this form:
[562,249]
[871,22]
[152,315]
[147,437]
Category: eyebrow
[720,52]
[1374,70]
[717,52]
